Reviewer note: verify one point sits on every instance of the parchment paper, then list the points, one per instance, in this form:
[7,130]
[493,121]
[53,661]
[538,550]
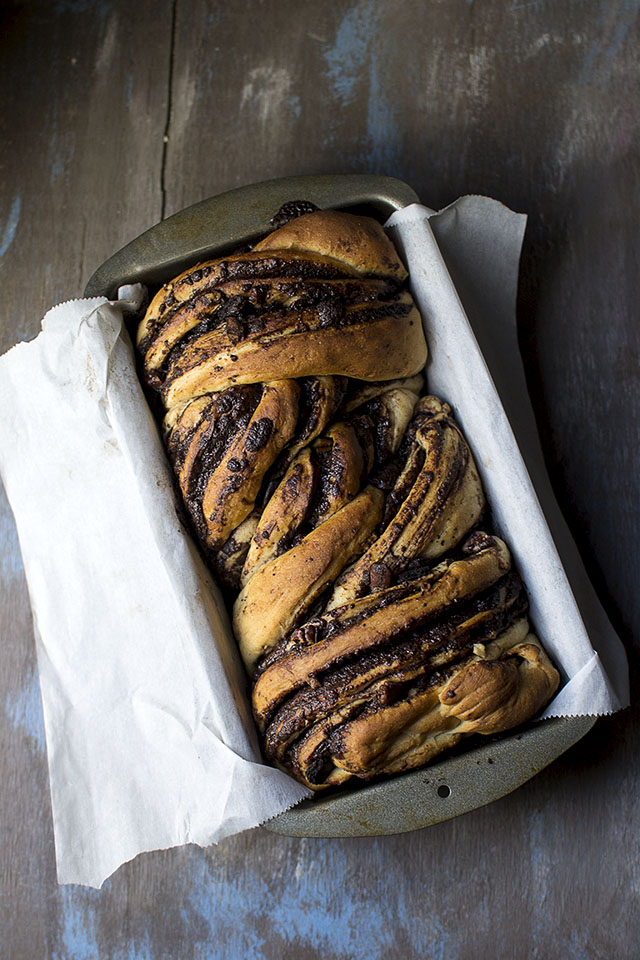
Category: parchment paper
[149,737]
[481,240]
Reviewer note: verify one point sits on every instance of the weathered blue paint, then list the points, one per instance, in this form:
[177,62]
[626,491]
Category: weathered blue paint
[608,40]
[99,7]
[347,55]
[382,129]
[24,710]
[522,6]
[79,935]
[623,24]
[137,951]
[295,105]
[540,869]
[11,568]
[78,932]
[356,57]
[238,914]
[10,227]
[579,946]
[61,150]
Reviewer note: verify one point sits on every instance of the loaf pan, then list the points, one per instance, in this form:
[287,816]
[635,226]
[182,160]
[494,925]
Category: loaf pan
[478,774]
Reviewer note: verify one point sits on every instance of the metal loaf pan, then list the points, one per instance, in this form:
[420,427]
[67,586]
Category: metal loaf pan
[459,783]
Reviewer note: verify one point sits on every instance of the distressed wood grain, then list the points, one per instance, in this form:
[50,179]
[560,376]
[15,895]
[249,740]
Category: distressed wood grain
[534,103]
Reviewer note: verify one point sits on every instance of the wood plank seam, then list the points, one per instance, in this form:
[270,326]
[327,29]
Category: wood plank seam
[167,126]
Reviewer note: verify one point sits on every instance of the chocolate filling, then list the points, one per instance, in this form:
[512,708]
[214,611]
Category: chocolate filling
[243,320]
[412,651]
[291,211]
[227,415]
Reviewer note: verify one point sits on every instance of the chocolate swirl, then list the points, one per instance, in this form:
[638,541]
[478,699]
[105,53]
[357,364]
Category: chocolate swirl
[377,685]
[335,505]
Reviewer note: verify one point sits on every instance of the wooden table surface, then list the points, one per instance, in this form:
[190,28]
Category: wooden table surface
[116,114]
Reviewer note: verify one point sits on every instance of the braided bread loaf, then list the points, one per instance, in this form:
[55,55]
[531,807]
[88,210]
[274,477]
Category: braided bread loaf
[324,490]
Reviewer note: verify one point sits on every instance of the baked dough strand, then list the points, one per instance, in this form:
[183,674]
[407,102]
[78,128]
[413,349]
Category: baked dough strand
[339,509]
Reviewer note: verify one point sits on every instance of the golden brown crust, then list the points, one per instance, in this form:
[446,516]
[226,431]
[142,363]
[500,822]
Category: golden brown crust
[221,448]
[336,461]
[230,559]
[319,402]
[342,242]
[358,626]
[404,659]
[387,682]
[290,376]
[489,694]
[438,495]
[283,514]
[380,732]
[323,480]
[363,392]
[285,587]
[371,341]
[319,297]
[359,242]
[207,284]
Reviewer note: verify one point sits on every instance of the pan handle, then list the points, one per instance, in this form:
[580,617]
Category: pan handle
[233,218]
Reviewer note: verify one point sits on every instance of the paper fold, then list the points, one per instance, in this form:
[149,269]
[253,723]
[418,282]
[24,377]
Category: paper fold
[149,736]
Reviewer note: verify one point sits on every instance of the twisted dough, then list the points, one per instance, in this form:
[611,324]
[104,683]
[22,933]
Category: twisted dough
[323,490]
[283,310]
[384,683]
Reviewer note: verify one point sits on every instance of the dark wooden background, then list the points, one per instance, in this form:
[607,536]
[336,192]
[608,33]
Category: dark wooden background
[116,113]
